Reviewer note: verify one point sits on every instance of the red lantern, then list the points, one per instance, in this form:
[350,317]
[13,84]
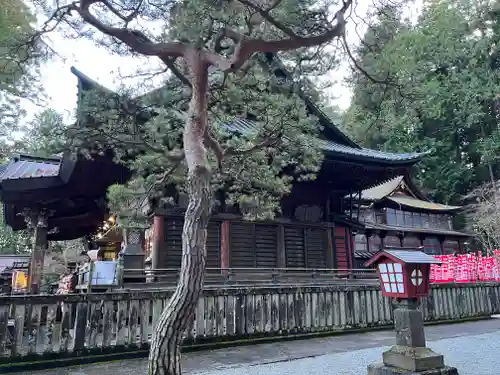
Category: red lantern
[403,273]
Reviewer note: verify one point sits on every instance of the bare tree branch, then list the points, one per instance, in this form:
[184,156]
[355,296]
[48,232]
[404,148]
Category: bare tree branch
[214,144]
[170,62]
[360,68]
[126,19]
[135,39]
[246,46]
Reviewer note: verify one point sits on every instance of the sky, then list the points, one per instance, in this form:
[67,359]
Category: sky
[97,63]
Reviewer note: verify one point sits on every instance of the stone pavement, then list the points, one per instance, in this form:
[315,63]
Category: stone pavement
[471,347]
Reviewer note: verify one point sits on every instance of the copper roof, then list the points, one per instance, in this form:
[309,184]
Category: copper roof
[381,191]
[412,256]
[24,166]
[418,203]
[406,256]
[389,190]
[243,126]
[343,146]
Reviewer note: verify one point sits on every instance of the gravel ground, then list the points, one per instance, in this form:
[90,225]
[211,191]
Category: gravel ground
[472,347]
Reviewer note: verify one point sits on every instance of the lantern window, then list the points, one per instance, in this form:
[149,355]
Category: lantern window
[392,277]
[417,278]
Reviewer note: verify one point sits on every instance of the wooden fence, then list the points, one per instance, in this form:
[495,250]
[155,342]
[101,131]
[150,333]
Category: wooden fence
[72,324]
[140,279]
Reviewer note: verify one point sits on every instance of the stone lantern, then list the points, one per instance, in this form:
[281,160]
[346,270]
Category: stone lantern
[132,251]
[404,277]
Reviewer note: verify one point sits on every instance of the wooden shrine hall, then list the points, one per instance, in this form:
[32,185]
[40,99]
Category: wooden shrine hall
[65,197]
[58,198]
[312,232]
[397,214]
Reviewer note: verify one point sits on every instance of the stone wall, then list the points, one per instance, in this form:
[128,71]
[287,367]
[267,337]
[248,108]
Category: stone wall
[119,321]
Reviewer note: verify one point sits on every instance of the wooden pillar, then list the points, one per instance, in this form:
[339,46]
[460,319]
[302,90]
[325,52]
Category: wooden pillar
[350,204]
[158,242]
[37,221]
[329,249]
[225,244]
[352,234]
[359,205]
[334,247]
[281,248]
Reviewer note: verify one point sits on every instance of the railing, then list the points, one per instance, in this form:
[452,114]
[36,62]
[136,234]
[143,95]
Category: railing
[137,278]
[73,324]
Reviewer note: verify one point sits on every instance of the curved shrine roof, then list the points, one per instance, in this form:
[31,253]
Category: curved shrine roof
[243,126]
[391,190]
[25,166]
[421,204]
[63,185]
[336,144]
[395,228]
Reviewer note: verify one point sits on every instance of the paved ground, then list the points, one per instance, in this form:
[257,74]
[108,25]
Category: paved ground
[472,347]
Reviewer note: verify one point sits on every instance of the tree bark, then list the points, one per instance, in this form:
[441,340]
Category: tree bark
[164,355]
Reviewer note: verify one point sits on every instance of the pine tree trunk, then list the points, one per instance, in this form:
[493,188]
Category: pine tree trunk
[164,356]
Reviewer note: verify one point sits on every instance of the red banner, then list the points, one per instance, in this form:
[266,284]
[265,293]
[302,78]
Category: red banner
[466,268]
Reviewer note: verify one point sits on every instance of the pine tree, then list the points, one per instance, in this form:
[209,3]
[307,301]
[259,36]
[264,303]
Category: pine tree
[220,55]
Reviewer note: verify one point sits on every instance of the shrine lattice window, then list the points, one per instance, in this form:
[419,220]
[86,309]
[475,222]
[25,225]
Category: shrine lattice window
[410,219]
[392,277]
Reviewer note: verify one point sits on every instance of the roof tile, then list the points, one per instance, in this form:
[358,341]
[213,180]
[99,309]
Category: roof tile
[413,256]
[418,203]
[246,126]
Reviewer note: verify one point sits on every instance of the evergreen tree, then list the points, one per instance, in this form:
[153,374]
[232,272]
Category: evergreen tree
[20,58]
[12,242]
[45,135]
[213,50]
[443,98]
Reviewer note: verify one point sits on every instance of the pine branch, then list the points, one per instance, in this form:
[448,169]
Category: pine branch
[268,142]
[135,39]
[246,46]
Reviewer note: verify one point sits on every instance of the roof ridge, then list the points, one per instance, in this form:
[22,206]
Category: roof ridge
[80,75]
[243,125]
[270,58]
[307,100]
[28,157]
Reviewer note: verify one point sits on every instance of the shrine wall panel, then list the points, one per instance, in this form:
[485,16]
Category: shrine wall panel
[343,248]
[253,245]
[172,252]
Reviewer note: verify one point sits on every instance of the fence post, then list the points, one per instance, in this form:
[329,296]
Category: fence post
[80,325]
[4,322]
[119,271]
[91,274]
